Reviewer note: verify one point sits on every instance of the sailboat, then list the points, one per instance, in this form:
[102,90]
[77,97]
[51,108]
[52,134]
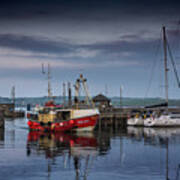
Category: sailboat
[165,118]
[136,120]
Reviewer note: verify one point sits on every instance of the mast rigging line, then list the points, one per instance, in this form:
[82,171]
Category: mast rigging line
[154,64]
[173,64]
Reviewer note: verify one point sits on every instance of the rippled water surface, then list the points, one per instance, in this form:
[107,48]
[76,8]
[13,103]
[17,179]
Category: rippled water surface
[134,153]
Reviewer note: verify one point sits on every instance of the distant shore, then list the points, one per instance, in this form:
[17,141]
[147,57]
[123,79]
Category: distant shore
[115,101]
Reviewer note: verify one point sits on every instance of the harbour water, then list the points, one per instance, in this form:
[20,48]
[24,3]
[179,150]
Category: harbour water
[132,153]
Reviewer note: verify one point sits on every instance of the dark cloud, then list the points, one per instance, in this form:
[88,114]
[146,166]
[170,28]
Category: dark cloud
[120,46]
[44,45]
[128,46]
[34,44]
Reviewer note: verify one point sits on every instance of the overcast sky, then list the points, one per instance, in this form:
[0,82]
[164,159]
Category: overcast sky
[112,43]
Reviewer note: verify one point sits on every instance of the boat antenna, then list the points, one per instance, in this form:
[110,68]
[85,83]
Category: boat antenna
[165,63]
[49,79]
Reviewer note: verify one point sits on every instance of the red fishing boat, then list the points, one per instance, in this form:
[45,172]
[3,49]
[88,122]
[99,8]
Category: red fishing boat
[77,117]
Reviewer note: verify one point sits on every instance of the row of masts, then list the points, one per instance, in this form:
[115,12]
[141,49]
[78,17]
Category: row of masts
[77,86]
[82,80]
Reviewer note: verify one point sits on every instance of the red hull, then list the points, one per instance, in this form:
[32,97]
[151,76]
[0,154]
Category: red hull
[71,139]
[84,122]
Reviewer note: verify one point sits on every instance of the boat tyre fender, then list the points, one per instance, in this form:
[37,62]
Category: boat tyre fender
[42,123]
[49,123]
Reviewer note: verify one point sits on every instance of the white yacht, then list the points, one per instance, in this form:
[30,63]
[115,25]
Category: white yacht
[165,119]
[135,121]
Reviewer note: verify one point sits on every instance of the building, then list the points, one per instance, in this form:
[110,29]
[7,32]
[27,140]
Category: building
[102,101]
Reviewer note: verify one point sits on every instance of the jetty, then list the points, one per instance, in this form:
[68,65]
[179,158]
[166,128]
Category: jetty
[8,110]
[117,117]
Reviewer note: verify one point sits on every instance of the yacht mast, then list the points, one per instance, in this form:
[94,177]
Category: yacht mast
[165,63]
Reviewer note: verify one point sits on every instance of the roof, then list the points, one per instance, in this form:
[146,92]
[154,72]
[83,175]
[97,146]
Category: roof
[100,98]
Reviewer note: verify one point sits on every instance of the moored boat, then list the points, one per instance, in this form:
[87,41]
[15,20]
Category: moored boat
[165,118]
[139,121]
[65,120]
[136,120]
[54,118]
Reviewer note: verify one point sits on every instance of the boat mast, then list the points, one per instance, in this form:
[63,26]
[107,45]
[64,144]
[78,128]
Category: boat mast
[88,98]
[77,89]
[64,94]
[49,79]
[49,82]
[13,95]
[165,63]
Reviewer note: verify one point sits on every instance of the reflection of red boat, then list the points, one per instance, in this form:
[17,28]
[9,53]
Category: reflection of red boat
[71,139]
[82,149]
[53,144]
[53,118]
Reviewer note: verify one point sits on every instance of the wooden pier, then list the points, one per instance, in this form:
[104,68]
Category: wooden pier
[1,120]
[9,111]
[117,117]
[112,117]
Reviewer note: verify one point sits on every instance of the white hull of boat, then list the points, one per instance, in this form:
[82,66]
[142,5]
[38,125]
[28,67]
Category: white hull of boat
[162,121]
[135,122]
[88,129]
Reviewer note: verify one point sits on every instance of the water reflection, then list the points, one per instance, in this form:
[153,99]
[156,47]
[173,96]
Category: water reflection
[82,148]
[161,137]
[154,136]
[1,138]
[1,134]
[112,153]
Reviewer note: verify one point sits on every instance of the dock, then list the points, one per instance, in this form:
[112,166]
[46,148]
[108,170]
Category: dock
[8,110]
[117,117]
[1,120]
